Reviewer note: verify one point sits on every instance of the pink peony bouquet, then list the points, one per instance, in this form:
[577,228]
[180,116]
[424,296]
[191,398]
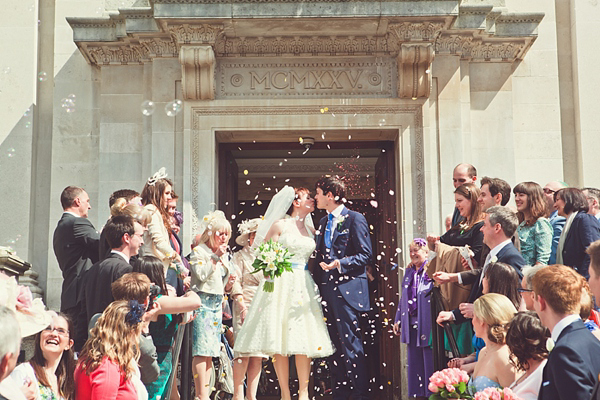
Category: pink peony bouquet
[450,383]
[496,394]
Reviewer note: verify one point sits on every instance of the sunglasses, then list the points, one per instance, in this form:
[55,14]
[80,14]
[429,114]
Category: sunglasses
[521,290]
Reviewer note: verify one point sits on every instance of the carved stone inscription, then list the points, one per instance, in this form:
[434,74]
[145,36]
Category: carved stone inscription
[262,77]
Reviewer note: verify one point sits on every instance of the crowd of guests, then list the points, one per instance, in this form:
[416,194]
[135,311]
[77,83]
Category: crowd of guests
[518,284]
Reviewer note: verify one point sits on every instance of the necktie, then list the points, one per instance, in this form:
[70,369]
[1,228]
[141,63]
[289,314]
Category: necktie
[488,259]
[328,230]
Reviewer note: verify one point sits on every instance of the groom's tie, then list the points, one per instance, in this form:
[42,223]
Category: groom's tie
[328,230]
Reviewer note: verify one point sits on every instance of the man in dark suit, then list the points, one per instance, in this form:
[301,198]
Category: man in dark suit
[75,245]
[499,226]
[343,252]
[124,236]
[462,173]
[574,363]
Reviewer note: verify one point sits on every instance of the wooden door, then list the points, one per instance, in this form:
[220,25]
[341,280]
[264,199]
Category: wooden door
[387,272]
[228,189]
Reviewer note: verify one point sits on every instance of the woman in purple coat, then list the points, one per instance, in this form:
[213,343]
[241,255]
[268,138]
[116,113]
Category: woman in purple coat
[413,320]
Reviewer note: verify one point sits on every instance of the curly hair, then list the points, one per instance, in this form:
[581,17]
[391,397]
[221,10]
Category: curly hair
[114,338]
[526,338]
[496,311]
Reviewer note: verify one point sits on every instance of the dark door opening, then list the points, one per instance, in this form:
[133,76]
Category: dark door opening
[249,176]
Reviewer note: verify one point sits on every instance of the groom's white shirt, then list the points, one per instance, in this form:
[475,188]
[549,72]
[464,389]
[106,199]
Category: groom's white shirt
[337,213]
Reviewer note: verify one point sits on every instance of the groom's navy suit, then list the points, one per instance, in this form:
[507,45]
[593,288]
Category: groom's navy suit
[346,294]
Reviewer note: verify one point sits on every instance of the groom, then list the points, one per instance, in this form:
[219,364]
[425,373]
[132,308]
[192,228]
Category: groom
[343,252]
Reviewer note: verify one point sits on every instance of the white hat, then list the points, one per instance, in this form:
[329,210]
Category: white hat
[245,228]
[31,313]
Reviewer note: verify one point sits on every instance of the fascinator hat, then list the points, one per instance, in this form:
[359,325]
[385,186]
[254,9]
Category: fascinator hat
[31,313]
[160,174]
[246,228]
[213,221]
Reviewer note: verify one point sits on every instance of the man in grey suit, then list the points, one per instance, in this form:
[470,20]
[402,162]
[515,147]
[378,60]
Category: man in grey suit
[75,245]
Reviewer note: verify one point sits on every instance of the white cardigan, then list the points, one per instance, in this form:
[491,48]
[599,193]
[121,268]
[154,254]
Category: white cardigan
[156,238]
[206,276]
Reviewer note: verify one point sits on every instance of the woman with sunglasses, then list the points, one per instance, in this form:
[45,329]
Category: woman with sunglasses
[50,370]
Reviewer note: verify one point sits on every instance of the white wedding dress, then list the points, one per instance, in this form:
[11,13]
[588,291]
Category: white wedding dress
[290,319]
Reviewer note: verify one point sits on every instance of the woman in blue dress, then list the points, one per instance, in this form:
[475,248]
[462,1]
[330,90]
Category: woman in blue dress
[491,314]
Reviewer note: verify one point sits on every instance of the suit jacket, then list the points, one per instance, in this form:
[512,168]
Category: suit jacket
[351,244]
[508,255]
[558,223]
[75,245]
[584,230]
[97,294]
[573,365]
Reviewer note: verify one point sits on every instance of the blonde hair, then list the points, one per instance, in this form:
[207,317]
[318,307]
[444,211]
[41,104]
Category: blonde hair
[216,225]
[114,338]
[139,213]
[496,311]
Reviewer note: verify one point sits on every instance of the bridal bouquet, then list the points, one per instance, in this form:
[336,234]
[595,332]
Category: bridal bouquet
[496,393]
[272,259]
[450,383]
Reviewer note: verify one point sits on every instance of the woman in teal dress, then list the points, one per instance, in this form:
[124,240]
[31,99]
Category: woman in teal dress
[163,330]
[535,231]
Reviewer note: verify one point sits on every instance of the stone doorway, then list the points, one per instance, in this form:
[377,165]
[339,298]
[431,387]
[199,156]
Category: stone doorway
[249,175]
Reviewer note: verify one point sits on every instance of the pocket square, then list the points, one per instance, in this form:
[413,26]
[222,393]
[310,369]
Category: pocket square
[344,232]
[545,383]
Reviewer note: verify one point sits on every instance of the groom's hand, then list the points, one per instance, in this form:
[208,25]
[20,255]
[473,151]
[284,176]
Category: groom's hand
[331,265]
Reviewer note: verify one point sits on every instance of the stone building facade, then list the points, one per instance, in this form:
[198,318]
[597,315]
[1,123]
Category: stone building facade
[504,84]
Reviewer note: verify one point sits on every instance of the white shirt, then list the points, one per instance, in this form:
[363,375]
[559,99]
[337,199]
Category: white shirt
[493,253]
[121,254]
[336,218]
[562,324]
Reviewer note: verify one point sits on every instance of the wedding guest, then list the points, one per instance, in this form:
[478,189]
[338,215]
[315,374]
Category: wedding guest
[573,364]
[498,278]
[10,346]
[124,236]
[526,288]
[491,313]
[527,339]
[211,278]
[51,368]
[107,367]
[122,207]
[155,198]
[75,243]
[556,220]
[593,197]
[587,305]
[581,229]
[463,173]
[535,230]
[413,320]
[242,293]
[467,232]
[129,195]
[177,273]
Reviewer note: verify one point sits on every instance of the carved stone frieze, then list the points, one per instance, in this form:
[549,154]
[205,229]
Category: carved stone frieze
[416,31]
[195,34]
[470,48]
[303,46]
[159,47]
[198,70]
[119,55]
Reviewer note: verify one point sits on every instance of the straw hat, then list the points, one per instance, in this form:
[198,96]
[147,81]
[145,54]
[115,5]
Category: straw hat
[31,313]
[245,228]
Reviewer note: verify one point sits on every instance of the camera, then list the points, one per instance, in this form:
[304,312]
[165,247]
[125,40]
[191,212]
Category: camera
[154,292]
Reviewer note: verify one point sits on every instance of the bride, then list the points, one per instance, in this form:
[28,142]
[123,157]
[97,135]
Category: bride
[288,321]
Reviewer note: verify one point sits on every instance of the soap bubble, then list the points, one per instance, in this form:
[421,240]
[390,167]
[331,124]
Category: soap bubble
[11,152]
[148,107]
[382,122]
[173,107]
[42,76]
[6,70]
[68,105]
[72,97]
[27,113]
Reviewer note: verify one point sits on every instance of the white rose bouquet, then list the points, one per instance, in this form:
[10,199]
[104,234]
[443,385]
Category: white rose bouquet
[272,259]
